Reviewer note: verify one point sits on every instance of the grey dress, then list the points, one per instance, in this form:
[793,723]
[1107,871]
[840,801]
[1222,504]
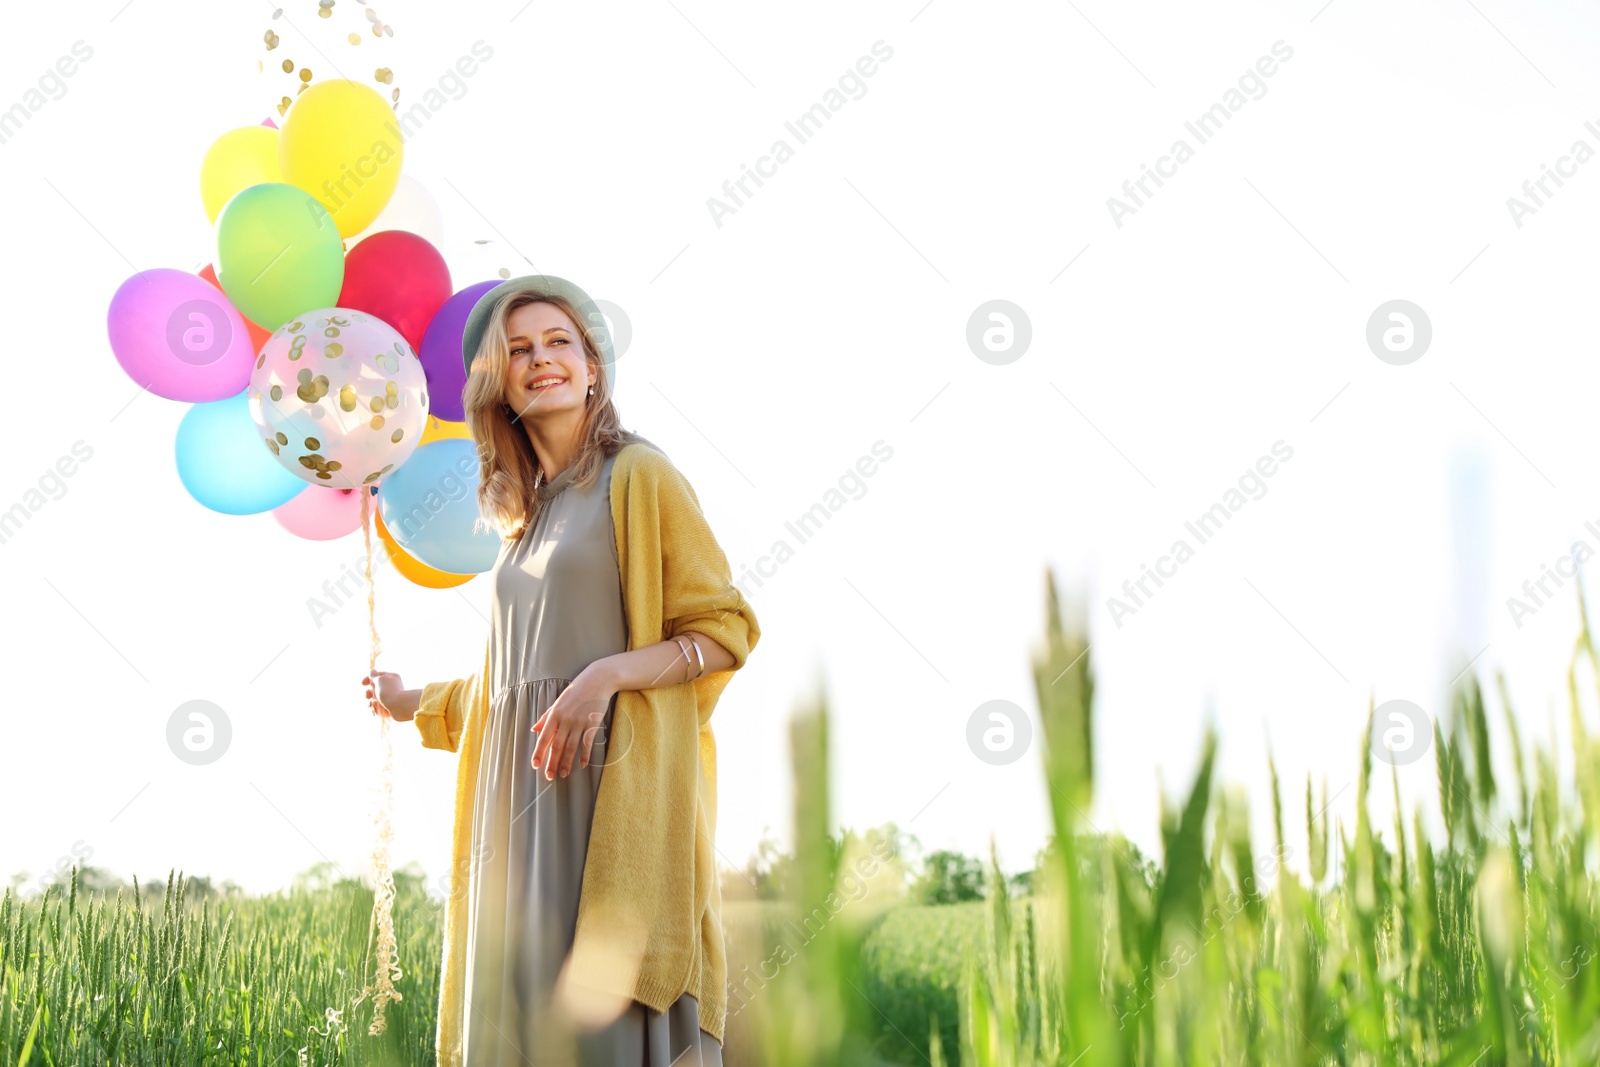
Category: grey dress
[557,607]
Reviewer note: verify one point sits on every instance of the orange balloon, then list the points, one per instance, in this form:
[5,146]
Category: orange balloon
[258,336]
[411,568]
[440,429]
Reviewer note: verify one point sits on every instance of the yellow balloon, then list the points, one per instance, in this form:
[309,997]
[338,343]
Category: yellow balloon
[237,160]
[440,429]
[340,143]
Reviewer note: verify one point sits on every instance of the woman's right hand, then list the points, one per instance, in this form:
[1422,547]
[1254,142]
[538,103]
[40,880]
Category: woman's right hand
[387,700]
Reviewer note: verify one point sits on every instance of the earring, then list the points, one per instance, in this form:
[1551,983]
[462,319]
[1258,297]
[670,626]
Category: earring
[591,390]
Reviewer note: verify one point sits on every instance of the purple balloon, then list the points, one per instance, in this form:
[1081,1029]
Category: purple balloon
[179,336]
[441,353]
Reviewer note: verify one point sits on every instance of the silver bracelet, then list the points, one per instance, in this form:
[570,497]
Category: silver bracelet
[685,653]
[698,657]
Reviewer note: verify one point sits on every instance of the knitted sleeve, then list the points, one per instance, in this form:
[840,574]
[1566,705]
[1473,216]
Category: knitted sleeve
[443,709]
[697,590]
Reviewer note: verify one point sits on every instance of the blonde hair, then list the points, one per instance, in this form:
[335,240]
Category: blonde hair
[507,465]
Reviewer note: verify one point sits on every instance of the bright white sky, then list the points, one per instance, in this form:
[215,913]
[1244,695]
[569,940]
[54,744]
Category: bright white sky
[828,313]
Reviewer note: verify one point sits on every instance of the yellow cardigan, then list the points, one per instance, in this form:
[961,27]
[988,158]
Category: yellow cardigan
[650,908]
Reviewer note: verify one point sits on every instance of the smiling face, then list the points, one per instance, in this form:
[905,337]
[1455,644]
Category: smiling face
[548,370]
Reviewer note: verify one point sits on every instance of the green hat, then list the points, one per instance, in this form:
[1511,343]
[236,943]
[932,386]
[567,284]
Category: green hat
[549,284]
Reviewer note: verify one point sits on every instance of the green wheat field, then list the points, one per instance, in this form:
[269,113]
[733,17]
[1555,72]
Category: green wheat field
[1475,947]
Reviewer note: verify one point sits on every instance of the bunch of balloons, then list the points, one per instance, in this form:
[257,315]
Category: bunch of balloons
[320,352]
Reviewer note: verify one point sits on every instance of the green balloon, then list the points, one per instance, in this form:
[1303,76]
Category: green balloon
[278,253]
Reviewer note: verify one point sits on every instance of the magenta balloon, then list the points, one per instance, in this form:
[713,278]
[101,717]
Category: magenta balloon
[321,513]
[441,352]
[179,336]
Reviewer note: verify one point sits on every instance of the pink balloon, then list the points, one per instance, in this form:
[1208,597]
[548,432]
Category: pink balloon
[268,122]
[179,336]
[321,513]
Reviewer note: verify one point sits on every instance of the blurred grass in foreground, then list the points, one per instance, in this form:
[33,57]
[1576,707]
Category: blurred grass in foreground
[1476,949]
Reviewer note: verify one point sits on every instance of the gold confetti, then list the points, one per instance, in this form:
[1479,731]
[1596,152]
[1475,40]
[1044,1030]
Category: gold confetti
[313,390]
[355,38]
[326,12]
[282,437]
[384,75]
[305,74]
[372,16]
[278,13]
[395,437]
[395,95]
[259,68]
[388,31]
[288,66]
[377,422]
[313,444]
[277,392]
[271,40]
[272,445]
[504,273]
[347,398]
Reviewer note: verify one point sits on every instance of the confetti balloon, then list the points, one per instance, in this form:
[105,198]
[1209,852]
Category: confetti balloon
[340,143]
[339,397]
[237,160]
[278,254]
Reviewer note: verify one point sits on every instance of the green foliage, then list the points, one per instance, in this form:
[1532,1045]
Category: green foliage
[948,878]
[166,978]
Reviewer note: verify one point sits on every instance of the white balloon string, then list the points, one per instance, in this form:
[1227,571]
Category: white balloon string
[381,989]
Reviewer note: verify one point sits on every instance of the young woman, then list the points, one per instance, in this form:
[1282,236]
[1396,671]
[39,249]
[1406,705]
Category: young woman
[588,927]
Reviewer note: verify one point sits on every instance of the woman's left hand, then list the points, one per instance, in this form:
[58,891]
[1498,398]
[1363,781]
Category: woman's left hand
[568,727]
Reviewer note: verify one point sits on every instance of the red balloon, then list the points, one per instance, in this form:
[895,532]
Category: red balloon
[400,278]
[258,336]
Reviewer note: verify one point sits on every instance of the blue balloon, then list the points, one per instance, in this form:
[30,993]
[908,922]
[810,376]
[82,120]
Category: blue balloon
[429,505]
[224,461]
